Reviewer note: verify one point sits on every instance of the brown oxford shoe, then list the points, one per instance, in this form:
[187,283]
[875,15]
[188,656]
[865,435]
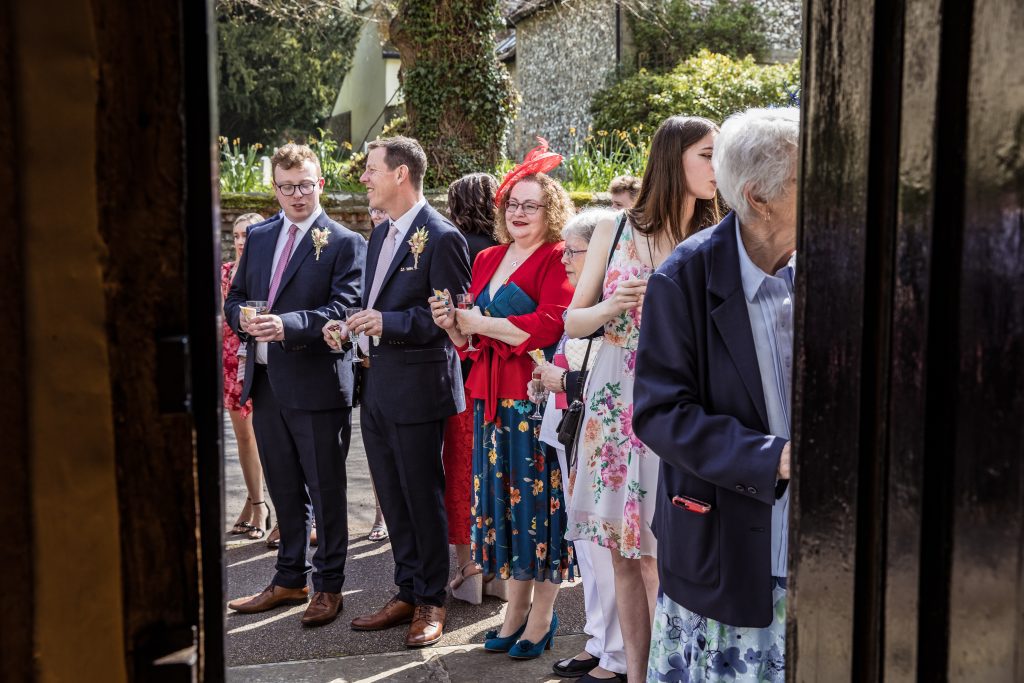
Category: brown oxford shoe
[271,597]
[427,626]
[323,609]
[392,614]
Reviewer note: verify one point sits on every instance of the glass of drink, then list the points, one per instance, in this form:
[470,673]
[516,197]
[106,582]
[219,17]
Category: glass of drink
[353,336]
[251,309]
[465,303]
[537,392]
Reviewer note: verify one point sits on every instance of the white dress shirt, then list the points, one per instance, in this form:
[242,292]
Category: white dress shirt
[282,237]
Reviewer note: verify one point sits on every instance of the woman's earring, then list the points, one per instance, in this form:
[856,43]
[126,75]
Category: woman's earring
[768,216]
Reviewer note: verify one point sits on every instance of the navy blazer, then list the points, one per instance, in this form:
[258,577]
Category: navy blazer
[415,368]
[699,404]
[302,370]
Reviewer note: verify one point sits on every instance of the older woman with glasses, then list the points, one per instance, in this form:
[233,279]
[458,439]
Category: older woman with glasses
[521,291]
[712,398]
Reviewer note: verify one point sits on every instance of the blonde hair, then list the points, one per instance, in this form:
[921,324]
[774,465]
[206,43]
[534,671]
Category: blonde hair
[247,218]
[558,208]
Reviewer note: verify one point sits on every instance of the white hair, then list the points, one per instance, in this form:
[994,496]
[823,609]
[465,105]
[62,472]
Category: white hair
[755,151]
[583,224]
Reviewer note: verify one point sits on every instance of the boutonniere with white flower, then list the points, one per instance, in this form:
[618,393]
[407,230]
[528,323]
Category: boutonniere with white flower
[417,243]
[319,240]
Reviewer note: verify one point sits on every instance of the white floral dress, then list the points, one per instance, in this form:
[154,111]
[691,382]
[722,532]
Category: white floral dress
[613,488]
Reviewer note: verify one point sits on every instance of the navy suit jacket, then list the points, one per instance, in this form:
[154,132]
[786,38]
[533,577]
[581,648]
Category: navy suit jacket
[302,370]
[699,404]
[416,372]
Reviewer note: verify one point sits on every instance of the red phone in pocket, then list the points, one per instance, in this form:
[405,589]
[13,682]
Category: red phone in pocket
[691,504]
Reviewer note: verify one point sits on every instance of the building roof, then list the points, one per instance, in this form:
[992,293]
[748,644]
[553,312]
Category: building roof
[517,11]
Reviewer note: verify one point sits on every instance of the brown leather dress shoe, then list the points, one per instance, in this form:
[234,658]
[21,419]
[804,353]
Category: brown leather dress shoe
[392,614]
[427,626]
[271,597]
[323,609]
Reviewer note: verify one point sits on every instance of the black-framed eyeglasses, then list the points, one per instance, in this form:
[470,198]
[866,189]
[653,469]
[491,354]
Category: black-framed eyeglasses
[287,189]
[571,253]
[529,208]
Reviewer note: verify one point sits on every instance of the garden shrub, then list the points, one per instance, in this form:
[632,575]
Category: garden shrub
[707,84]
[666,33]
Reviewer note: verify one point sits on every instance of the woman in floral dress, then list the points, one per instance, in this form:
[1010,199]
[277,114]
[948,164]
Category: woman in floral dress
[613,499]
[517,508]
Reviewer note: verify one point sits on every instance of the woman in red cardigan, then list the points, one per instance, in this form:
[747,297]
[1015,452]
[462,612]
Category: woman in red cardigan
[518,507]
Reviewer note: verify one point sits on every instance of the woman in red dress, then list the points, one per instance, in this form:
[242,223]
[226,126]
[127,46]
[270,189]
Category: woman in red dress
[255,515]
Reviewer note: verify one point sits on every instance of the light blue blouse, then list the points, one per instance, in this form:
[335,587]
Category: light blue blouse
[770,307]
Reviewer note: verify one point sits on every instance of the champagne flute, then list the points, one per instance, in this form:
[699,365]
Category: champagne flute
[538,393]
[465,303]
[353,336]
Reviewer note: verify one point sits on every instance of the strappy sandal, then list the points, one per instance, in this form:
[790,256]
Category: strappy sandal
[273,541]
[242,526]
[378,532]
[468,587]
[257,532]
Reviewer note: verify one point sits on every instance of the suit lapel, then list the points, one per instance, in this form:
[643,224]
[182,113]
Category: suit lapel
[402,250]
[266,262]
[372,256]
[731,317]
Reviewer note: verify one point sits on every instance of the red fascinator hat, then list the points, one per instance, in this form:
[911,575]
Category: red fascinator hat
[538,160]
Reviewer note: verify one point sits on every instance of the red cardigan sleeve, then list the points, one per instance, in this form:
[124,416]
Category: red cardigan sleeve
[545,325]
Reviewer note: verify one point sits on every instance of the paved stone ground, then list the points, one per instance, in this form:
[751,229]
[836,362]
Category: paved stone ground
[274,647]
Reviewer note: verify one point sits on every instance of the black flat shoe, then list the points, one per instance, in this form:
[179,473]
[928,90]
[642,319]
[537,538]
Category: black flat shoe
[619,678]
[574,668]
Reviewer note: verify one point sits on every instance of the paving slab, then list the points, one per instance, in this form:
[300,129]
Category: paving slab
[272,646]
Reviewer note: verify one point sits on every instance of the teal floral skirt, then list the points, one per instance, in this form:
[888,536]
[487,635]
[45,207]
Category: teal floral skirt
[689,648]
[518,511]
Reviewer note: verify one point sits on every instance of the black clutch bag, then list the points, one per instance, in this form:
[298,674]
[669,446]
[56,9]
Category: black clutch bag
[572,417]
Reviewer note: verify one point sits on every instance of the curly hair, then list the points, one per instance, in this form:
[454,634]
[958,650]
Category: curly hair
[471,203]
[291,155]
[558,208]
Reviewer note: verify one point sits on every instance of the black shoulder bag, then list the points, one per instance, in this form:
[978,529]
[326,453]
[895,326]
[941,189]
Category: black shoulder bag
[572,418]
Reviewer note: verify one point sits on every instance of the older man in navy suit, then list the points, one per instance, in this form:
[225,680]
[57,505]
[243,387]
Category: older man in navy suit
[411,381]
[308,268]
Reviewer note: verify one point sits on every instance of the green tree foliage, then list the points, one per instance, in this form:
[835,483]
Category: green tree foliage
[281,63]
[669,31]
[459,100]
[706,84]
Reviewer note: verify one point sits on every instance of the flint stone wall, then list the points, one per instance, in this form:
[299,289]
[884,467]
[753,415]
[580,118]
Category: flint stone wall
[564,54]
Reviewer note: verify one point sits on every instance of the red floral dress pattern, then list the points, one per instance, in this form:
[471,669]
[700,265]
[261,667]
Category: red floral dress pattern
[229,353]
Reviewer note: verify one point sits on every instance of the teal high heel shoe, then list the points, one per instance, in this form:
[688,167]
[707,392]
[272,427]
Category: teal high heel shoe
[496,644]
[524,649]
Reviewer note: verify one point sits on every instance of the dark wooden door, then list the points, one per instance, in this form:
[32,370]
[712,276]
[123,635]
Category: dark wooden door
[909,488]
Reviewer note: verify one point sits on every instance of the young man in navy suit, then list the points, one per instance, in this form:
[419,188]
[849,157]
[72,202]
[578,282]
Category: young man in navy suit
[411,381]
[309,269]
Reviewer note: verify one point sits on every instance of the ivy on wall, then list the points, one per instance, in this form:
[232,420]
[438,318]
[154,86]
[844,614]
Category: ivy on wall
[459,100]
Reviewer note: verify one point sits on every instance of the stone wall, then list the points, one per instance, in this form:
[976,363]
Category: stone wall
[564,54]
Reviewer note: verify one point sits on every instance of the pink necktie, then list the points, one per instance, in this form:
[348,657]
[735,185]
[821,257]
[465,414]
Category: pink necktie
[387,252]
[282,263]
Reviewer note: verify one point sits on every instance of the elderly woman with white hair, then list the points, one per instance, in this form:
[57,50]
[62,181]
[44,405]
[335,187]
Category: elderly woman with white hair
[713,401]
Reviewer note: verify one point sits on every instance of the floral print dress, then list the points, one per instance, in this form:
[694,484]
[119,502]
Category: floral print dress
[518,518]
[689,648]
[612,491]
